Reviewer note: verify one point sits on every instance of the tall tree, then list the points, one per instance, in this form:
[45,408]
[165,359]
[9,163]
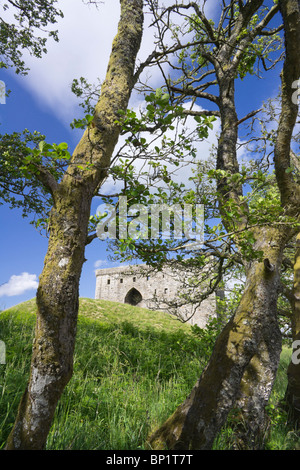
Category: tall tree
[250,344]
[287,180]
[57,295]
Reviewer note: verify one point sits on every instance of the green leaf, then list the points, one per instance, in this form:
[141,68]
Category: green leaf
[41,145]
[63,146]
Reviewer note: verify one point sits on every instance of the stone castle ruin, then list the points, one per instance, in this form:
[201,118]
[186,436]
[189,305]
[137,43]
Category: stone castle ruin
[140,286]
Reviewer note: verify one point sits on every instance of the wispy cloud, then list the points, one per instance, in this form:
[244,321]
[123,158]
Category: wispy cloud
[18,284]
[100,263]
[86,36]
[85,40]
[103,263]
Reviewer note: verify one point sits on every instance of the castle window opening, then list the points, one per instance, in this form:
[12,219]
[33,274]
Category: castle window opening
[134,279]
[108,281]
[121,281]
[133,297]
[166,290]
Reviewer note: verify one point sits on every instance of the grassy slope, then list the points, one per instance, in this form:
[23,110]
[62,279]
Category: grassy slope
[113,312]
[132,368]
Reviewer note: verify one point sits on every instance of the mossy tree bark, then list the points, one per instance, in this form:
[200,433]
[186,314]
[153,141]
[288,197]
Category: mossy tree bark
[289,191]
[244,362]
[251,425]
[289,188]
[252,332]
[57,295]
[256,384]
[292,394]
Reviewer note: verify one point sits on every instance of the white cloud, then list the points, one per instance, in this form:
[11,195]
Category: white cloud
[19,284]
[103,263]
[100,263]
[85,40]
[86,36]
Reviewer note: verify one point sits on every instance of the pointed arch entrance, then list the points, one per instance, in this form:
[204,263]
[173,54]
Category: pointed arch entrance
[133,297]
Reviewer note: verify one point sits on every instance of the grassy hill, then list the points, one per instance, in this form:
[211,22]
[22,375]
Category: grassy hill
[132,368]
[114,313]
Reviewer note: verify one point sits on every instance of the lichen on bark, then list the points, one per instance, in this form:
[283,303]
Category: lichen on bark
[195,423]
[57,295]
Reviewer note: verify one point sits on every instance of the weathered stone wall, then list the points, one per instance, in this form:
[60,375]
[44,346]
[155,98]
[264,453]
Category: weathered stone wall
[136,286]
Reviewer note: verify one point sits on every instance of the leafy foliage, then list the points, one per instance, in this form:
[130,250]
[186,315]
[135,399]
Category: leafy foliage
[23,158]
[30,18]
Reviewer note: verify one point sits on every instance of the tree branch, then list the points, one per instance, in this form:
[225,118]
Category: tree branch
[90,238]
[289,190]
[248,116]
[204,112]
[47,180]
[192,92]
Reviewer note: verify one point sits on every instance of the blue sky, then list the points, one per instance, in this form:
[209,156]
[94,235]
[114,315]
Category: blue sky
[43,101]
[22,247]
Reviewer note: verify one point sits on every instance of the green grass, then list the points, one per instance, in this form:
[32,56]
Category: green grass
[279,435]
[132,368]
[282,436]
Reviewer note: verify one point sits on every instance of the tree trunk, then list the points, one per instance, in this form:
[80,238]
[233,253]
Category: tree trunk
[57,295]
[236,356]
[259,375]
[252,427]
[244,362]
[57,305]
[251,386]
[244,379]
[289,188]
[292,395]
[195,423]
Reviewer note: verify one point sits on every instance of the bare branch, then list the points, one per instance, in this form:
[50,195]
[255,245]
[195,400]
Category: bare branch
[249,115]
[192,92]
